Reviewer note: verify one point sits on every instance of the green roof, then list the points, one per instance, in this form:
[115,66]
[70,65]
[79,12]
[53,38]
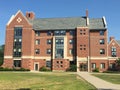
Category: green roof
[66,23]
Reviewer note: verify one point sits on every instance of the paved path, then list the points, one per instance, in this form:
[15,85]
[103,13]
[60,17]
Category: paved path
[98,83]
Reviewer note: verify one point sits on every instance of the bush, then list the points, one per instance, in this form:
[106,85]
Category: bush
[10,69]
[96,70]
[72,68]
[44,69]
[111,71]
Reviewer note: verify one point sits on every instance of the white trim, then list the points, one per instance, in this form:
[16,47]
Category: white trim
[99,58]
[65,47]
[12,17]
[104,21]
[25,57]
[17,59]
[8,57]
[53,48]
[42,57]
[115,41]
[87,21]
[82,59]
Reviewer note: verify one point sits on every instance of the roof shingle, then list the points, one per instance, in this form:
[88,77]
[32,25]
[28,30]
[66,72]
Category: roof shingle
[65,23]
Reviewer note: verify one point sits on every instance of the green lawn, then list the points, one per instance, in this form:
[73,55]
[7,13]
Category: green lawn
[109,77]
[42,81]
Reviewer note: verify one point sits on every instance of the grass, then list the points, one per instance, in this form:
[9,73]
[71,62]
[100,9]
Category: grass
[42,81]
[109,77]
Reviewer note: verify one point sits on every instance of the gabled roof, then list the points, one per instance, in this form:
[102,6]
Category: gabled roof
[66,23]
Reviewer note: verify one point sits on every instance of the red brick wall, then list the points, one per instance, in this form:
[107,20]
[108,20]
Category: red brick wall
[98,62]
[41,62]
[8,63]
[43,46]
[9,42]
[57,65]
[95,44]
[82,42]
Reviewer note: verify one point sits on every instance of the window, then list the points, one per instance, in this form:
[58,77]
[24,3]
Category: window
[17,44]
[37,51]
[93,65]
[71,41]
[71,51]
[48,51]
[102,65]
[18,31]
[59,53]
[37,33]
[72,32]
[59,47]
[102,41]
[60,32]
[113,51]
[48,64]
[61,62]
[48,41]
[37,41]
[82,32]
[80,48]
[101,32]
[102,51]
[49,33]
[16,53]
[59,41]
[112,66]
[17,63]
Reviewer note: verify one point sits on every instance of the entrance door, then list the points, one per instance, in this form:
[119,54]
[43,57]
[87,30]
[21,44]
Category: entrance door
[36,67]
[83,67]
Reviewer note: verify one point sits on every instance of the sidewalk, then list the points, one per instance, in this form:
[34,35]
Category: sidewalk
[98,83]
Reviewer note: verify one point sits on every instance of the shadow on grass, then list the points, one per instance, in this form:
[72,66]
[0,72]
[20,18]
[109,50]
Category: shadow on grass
[29,89]
[24,89]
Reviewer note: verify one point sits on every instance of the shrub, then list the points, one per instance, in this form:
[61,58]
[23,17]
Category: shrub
[44,69]
[111,71]
[72,68]
[96,70]
[10,69]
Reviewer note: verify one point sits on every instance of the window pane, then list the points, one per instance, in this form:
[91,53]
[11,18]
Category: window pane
[71,41]
[17,63]
[49,33]
[102,51]
[101,32]
[102,65]
[48,64]
[37,42]
[101,41]
[37,33]
[72,32]
[48,51]
[93,65]
[37,51]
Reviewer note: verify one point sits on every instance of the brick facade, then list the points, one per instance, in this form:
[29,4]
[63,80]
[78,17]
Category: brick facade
[61,42]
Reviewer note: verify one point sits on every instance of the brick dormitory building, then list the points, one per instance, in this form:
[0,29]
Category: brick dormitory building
[57,43]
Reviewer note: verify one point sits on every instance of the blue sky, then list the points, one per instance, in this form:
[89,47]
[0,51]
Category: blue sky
[63,8]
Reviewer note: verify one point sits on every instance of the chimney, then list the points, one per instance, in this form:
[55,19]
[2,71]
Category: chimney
[87,19]
[87,13]
[111,38]
[30,15]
